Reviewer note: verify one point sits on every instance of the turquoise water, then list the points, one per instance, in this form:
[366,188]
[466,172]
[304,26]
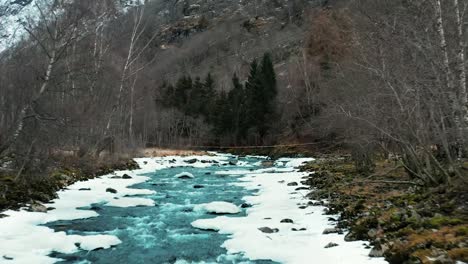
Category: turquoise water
[163,234]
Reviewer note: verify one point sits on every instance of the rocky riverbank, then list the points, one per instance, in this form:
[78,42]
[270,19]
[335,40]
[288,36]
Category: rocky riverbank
[404,222]
[33,190]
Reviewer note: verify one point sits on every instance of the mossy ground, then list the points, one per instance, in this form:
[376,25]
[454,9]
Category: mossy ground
[409,222]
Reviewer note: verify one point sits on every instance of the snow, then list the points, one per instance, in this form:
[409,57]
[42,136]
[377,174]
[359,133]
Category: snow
[218,208]
[10,24]
[274,202]
[184,174]
[21,233]
[292,162]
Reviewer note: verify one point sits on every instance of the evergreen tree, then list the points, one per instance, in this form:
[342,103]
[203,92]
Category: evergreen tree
[166,97]
[261,91]
[196,98]
[209,97]
[268,77]
[255,99]
[182,89]
[221,117]
[236,98]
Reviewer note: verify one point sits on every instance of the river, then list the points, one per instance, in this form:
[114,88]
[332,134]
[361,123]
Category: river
[217,208]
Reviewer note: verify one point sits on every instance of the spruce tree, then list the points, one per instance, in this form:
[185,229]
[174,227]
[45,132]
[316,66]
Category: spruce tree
[268,77]
[182,89]
[209,97]
[237,104]
[221,115]
[256,99]
[196,98]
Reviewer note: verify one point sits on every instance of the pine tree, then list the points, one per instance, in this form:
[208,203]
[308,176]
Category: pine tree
[268,77]
[236,98]
[221,117]
[255,99]
[196,98]
[181,92]
[209,97]
[166,98]
[261,90]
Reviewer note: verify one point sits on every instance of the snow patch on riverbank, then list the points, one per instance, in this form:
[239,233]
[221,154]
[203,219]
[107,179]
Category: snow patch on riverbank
[24,241]
[292,162]
[294,229]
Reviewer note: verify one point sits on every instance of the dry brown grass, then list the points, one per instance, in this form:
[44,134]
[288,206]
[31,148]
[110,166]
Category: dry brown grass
[161,152]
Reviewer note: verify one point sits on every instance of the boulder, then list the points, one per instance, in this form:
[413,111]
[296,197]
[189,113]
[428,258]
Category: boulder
[331,244]
[84,189]
[191,161]
[268,230]
[246,205]
[301,229]
[332,230]
[376,253]
[126,176]
[233,162]
[38,208]
[198,186]
[111,190]
[287,221]
[185,175]
[293,184]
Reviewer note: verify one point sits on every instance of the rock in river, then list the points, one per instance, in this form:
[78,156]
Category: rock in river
[126,176]
[268,230]
[331,244]
[111,190]
[185,175]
